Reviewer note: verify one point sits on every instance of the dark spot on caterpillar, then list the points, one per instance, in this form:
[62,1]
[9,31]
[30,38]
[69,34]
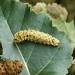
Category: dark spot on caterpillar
[27,35]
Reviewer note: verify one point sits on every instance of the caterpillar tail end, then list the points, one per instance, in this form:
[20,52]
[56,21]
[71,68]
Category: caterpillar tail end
[55,42]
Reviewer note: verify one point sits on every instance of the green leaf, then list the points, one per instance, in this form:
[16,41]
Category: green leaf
[68,28]
[41,59]
[10,50]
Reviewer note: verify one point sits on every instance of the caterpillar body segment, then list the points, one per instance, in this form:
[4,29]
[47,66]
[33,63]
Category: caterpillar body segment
[36,36]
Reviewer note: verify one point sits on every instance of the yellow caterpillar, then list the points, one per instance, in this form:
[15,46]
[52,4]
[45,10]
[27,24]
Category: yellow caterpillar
[36,36]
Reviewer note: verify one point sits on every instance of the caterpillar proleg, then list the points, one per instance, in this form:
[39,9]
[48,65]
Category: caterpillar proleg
[36,36]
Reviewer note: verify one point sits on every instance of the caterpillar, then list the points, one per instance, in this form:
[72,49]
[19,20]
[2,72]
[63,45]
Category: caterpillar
[36,36]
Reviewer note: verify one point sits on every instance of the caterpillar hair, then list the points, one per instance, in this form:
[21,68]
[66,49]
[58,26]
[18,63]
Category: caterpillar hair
[36,36]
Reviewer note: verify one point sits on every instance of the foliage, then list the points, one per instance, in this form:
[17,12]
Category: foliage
[68,28]
[38,59]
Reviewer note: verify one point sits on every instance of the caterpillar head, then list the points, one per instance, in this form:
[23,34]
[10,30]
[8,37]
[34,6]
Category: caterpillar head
[20,36]
[16,38]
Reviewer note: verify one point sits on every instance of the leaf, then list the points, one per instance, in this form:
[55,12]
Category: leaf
[10,51]
[68,28]
[41,59]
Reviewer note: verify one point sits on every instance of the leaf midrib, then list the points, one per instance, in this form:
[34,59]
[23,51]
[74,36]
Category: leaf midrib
[18,48]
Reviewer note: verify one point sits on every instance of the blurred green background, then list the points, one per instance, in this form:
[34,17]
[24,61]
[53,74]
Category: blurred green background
[68,4]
